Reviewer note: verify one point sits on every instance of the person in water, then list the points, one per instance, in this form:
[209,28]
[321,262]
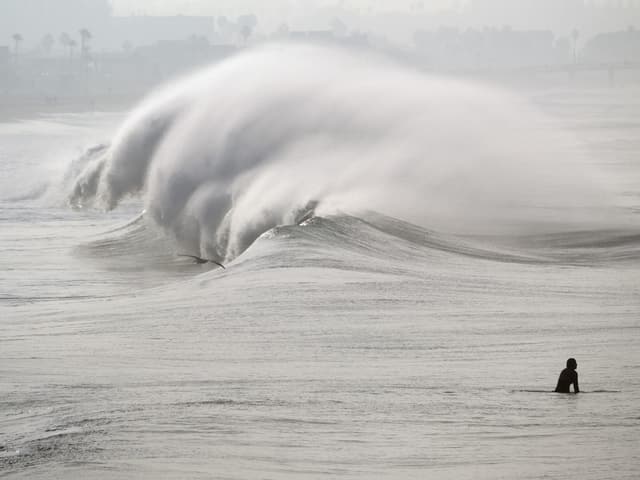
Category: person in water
[567,377]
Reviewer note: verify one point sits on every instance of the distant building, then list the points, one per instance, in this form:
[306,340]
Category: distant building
[589,17]
[312,35]
[33,19]
[145,30]
[451,48]
[622,46]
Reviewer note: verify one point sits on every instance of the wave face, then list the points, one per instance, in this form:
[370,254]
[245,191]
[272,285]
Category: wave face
[275,133]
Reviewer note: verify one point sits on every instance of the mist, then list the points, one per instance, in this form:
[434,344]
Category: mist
[227,154]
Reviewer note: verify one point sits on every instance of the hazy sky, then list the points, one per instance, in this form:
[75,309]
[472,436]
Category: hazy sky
[558,15]
[209,7]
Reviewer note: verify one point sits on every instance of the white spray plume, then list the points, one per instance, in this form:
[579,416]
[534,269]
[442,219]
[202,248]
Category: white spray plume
[234,150]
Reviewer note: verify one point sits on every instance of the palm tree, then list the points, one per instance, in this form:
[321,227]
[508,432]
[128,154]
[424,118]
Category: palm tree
[17,40]
[72,44]
[245,33]
[47,43]
[64,40]
[85,36]
[247,24]
[127,46]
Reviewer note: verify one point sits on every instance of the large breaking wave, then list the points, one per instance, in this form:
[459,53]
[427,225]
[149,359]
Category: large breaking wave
[260,139]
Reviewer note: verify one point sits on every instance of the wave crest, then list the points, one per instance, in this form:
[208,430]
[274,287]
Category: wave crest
[230,152]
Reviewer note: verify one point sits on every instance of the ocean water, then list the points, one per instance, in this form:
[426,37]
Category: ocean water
[340,341]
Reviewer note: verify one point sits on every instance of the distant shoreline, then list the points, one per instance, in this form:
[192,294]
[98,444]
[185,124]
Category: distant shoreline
[16,108]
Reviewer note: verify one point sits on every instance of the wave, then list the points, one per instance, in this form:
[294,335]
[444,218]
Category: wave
[134,246]
[386,243]
[286,131]
[371,242]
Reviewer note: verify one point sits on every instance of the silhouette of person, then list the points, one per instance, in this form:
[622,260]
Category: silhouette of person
[567,377]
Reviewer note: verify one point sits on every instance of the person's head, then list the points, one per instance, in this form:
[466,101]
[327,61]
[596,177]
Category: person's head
[572,364]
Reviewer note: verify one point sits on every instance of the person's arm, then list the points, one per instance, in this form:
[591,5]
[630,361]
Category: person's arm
[576,389]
